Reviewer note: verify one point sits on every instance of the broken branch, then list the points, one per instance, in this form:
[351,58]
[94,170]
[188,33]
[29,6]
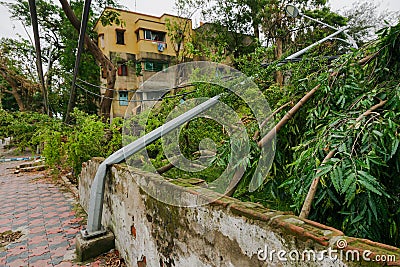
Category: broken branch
[305,210]
[257,133]
[268,137]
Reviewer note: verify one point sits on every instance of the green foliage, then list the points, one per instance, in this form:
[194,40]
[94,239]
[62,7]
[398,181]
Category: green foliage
[110,17]
[359,186]
[52,147]
[85,140]
[62,145]
[22,127]
[358,190]
[16,78]
[59,42]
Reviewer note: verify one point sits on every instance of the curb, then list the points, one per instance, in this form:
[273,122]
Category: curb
[70,187]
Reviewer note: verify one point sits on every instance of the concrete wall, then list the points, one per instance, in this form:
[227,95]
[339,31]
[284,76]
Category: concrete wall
[135,22]
[135,44]
[226,232]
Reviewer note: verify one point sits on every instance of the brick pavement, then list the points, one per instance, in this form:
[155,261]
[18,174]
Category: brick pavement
[43,213]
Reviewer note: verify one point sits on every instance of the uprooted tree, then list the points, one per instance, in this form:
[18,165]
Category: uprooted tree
[15,80]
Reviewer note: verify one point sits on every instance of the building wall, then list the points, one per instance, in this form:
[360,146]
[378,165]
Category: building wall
[134,22]
[226,232]
[136,49]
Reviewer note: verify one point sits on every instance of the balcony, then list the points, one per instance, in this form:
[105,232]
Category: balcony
[151,25]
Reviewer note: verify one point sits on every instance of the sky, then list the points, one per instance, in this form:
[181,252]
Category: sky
[10,28]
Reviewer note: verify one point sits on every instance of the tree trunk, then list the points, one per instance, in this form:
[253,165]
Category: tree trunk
[235,181]
[256,26]
[14,86]
[18,98]
[278,55]
[257,133]
[268,137]
[305,210]
[106,101]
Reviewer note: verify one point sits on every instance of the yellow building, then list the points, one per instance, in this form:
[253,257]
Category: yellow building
[140,48]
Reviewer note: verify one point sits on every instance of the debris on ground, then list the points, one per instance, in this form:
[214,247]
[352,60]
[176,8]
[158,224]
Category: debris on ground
[111,259]
[37,165]
[8,237]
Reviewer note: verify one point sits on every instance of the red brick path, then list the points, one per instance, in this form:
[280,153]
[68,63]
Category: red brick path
[45,216]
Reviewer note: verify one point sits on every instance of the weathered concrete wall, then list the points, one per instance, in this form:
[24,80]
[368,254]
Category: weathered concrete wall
[226,232]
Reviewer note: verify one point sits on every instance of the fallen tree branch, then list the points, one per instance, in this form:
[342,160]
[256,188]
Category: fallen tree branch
[269,136]
[372,109]
[257,133]
[305,210]
[165,168]
[367,59]
[234,182]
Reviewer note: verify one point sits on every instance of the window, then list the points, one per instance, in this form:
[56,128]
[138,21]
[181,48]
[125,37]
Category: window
[122,69]
[155,66]
[156,95]
[123,98]
[120,36]
[154,36]
[147,35]
[149,66]
[101,40]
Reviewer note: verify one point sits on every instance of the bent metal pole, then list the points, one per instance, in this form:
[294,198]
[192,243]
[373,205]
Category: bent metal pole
[94,227]
[301,52]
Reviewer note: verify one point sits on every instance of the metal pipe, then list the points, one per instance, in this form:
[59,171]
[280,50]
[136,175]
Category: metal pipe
[351,41]
[94,227]
[318,21]
[293,12]
[301,52]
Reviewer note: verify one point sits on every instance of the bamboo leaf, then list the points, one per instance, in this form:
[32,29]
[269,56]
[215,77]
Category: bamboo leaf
[357,219]
[323,170]
[395,145]
[350,193]
[369,187]
[377,133]
[347,182]
[335,179]
[373,207]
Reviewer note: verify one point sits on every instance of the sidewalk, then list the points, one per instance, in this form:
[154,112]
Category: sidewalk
[39,218]
[44,215]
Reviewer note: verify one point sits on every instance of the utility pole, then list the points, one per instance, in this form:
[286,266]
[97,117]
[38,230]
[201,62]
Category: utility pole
[39,65]
[72,97]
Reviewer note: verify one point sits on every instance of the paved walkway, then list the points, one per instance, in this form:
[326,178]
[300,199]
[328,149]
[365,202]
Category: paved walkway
[43,213]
